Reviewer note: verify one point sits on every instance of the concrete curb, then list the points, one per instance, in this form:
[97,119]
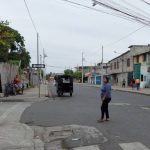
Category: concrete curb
[135,92]
[23,99]
[68,136]
[18,136]
[122,90]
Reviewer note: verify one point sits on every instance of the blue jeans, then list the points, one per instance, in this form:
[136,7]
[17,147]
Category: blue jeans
[138,87]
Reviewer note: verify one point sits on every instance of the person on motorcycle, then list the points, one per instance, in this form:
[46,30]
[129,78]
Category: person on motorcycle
[18,84]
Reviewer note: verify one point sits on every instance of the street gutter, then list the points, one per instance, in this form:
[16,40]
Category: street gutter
[117,89]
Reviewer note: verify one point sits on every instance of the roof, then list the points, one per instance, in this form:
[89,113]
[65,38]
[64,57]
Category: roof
[138,46]
[120,55]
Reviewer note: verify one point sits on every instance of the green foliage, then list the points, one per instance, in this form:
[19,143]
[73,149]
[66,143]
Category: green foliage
[25,57]
[68,72]
[15,62]
[77,75]
[12,45]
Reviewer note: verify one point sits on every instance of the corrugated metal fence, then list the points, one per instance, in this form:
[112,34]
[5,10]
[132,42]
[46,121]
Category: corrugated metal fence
[7,73]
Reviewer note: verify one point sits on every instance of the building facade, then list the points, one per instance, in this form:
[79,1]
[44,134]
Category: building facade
[141,62]
[89,73]
[121,68]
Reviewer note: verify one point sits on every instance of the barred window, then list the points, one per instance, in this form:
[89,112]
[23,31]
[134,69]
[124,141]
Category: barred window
[114,65]
[117,64]
[128,62]
[111,66]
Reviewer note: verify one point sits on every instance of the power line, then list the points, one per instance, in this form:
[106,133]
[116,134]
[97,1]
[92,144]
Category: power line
[124,37]
[30,16]
[55,66]
[124,17]
[133,6]
[145,2]
[97,10]
[122,10]
[32,21]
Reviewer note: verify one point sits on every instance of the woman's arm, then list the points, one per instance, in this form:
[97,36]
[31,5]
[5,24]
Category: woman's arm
[105,95]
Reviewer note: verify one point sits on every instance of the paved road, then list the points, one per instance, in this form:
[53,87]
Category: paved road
[130,119]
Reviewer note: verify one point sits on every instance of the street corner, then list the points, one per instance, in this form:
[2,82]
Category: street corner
[83,136]
[16,136]
[69,136]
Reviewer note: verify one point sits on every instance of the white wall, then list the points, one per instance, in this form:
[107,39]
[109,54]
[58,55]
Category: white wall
[146,75]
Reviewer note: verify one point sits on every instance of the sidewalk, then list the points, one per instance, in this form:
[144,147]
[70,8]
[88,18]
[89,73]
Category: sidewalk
[17,136]
[30,95]
[144,91]
[13,134]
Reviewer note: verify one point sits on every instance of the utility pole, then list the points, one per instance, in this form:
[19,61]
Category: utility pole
[82,67]
[40,68]
[44,56]
[102,55]
[38,62]
[102,77]
[37,48]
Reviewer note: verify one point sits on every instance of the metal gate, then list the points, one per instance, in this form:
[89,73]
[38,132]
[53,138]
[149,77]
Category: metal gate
[137,71]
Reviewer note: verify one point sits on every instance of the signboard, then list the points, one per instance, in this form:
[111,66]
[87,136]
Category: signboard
[105,67]
[38,65]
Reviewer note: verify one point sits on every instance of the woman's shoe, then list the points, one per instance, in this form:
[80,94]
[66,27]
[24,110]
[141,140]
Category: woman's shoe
[107,119]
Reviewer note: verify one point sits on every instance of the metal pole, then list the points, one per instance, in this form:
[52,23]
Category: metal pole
[82,67]
[102,66]
[40,68]
[44,70]
[102,54]
[38,62]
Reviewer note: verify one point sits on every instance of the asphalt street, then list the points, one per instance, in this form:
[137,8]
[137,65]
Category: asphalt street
[129,114]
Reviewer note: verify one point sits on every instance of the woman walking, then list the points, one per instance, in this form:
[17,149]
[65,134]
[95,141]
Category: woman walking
[106,98]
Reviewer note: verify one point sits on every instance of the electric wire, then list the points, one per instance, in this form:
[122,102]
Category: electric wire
[30,16]
[117,41]
[121,9]
[97,10]
[145,2]
[124,37]
[124,13]
[133,6]
[33,23]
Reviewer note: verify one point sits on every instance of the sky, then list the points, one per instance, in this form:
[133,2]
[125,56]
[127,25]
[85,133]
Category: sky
[67,30]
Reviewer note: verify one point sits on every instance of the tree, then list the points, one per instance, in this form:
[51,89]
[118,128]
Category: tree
[77,75]
[12,46]
[24,57]
[68,72]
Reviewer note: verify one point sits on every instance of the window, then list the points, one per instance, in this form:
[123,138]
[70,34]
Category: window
[148,58]
[142,77]
[128,62]
[144,57]
[111,66]
[114,65]
[148,69]
[117,64]
[137,59]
